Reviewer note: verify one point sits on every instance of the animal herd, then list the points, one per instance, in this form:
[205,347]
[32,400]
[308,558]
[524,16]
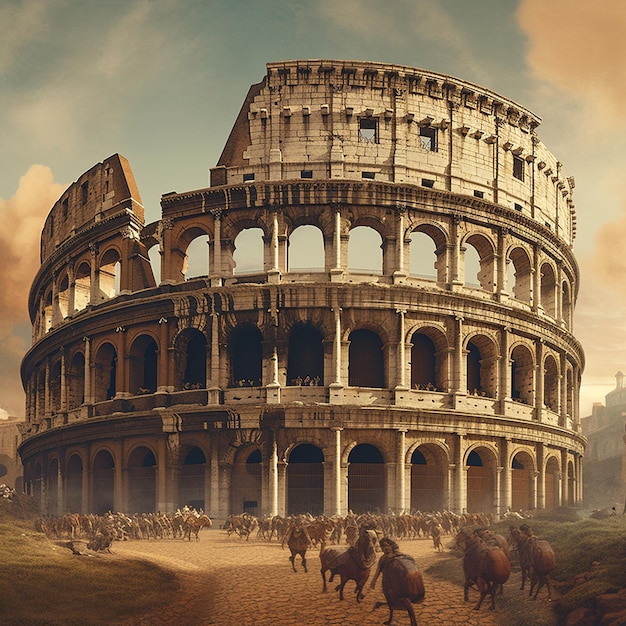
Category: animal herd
[486,563]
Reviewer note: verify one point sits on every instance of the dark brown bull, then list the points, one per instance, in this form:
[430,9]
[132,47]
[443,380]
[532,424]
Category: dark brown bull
[536,558]
[403,585]
[353,563]
[484,565]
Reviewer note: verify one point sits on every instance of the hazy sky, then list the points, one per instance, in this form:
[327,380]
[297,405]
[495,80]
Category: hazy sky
[162,81]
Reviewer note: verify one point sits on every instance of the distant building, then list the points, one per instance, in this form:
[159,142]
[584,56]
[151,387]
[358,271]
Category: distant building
[604,430]
[11,471]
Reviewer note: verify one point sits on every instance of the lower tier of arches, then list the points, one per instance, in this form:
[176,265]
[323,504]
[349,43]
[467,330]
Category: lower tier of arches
[295,461]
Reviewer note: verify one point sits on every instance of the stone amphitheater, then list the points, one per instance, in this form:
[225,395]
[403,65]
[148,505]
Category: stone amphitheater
[382,318]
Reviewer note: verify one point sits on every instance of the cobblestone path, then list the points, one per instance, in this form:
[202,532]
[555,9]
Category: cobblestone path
[227,582]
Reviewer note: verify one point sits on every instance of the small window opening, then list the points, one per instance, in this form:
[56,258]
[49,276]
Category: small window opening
[518,207]
[368,130]
[369,175]
[65,208]
[518,167]
[306,173]
[427,182]
[248,177]
[84,192]
[478,194]
[428,138]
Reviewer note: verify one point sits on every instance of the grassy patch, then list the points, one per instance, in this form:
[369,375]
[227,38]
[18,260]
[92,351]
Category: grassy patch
[44,583]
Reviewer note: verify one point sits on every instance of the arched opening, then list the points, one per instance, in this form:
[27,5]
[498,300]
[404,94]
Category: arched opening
[366,480]
[522,375]
[306,249]
[197,258]
[551,384]
[248,253]
[571,484]
[103,472]
[192,479]
[109,274]
[76,395]
[74,484]
[246,356]
[105,373]
[191,348]
[479,263]
[481,364]
[305,363]
[154,254]
[480,482]
[143,365]
[55,385]
[566,304]
[82,286]
[519,275]
[63,297]
[246,484]
[305,480]
[366,367]
[552,499]
[423,256]
[142,468]
[47,312]
[522,482]
[52,488]
[423,363]
[427,480]
[548,288]
[365,254]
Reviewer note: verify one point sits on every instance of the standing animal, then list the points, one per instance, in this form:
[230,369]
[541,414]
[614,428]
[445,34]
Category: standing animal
[537,559]
[352,563]
[435,533]
[194,523]
[484,565]
[402,581]
[298,540]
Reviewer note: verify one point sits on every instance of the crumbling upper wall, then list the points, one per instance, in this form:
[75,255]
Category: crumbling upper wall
[106,189]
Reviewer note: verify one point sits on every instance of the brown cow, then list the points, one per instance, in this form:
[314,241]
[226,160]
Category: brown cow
[353,563]
[483,565]
[402,581]
[536,559]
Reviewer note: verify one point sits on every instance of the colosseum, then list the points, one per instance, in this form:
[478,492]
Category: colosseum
[381,319]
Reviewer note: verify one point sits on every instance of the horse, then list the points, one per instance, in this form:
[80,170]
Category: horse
[536,558]
[353,563]
[298,541]
[486,566]
[403,585]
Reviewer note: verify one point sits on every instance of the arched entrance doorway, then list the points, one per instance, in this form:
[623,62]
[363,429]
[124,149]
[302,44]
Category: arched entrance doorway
[522,482]
[246,483]
[142,481]
[552,484]
[366,480]
[192,479]
[480,481]
[305,480]
[427,480]
[103,473]
[74,485]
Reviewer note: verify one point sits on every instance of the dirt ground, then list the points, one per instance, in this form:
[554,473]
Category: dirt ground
[226,581]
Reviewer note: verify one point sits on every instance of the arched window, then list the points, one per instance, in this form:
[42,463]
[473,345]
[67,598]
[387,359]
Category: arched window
[366,479]
[197,259]
[548,285]
[109,275]
[423,256]
[105,373]
[423,374]
[246,356]
[519,275]
[82,286]
[248,254]
[365,252]
[481,367]
[192,351]
[305,480]
[305,364]
[366,360]
[143,365]
[479,263]
[551,384]
[522,375]
[77,381]
[306,249]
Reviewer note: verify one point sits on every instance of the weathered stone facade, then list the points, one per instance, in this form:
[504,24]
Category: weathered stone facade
[278,390]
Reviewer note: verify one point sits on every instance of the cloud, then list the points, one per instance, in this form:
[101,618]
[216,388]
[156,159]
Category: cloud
[25,212]
[578,46]
[20,24]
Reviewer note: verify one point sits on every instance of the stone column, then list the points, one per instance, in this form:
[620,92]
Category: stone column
[400,273]
[539,399]
[541,482]
[63,382]
[273,275]
[563,389]
[536,295]
[94,278]
[507,476]
[216,265]
[401,506]
[163,383]
[122,372]
[47,401]
[454,252]
[88,399]
[337,471]
[459,382]
[401,367]
[504,386]
[214,493]
[497,509]
[273,477]
[336,273]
